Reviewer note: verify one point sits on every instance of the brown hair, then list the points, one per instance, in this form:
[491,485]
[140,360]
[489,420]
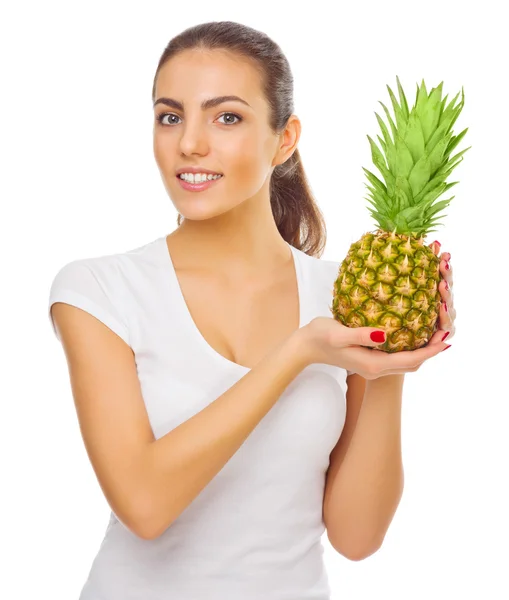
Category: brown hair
[296,214]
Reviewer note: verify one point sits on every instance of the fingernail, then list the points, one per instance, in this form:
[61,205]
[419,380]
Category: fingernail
[378,336]
[446,286]
[447,265]
[447,347]
[436,242]
[446,334]
[445,306]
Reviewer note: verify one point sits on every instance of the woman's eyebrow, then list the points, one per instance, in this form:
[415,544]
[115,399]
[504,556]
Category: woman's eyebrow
[205,105]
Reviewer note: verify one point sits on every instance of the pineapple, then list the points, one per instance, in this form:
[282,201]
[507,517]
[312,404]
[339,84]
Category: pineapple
[389,278]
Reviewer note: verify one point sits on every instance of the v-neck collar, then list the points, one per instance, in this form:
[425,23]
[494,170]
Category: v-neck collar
[175,284]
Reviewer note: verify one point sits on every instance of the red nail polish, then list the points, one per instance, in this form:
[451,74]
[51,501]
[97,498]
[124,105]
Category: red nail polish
[437,242]
[447,347]
[445,306]
[446,334]
[447,265]
[378,336]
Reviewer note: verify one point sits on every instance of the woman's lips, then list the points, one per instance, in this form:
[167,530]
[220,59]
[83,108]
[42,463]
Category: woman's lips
[198,187]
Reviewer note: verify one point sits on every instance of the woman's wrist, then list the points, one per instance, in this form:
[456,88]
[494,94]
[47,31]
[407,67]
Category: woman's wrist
[300,345]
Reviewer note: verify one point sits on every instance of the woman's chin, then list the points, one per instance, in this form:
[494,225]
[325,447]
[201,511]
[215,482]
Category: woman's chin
[199,212]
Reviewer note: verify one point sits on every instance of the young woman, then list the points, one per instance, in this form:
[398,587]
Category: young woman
[210,381]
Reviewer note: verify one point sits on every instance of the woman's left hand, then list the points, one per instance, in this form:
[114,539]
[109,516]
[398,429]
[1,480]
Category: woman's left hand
[447,313]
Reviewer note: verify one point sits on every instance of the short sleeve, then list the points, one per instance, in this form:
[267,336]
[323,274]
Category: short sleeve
[77,284]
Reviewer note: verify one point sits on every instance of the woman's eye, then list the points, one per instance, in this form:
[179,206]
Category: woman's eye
[174,116]
[161,117]
[231,115]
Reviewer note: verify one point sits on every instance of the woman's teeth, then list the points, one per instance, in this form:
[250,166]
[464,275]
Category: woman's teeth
[198,177]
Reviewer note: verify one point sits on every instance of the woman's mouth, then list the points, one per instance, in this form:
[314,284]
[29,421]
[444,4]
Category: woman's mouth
[198,187]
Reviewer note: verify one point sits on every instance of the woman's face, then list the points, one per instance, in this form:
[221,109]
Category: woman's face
[240,146]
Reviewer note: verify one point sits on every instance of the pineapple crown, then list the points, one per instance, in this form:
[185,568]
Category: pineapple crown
[416,163]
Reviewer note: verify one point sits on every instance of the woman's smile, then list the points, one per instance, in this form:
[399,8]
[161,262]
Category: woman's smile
[198,187]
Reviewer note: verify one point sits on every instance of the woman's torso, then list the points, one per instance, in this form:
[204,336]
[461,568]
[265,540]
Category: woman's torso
[255,530]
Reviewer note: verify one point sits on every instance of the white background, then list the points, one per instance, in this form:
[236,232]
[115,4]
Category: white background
[79,179]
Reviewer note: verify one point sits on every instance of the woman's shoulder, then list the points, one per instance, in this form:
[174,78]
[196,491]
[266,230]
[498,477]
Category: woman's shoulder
[103,285]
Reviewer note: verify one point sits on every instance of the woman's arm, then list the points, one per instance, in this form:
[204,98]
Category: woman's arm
[149,482]
[181,463]
[365,477]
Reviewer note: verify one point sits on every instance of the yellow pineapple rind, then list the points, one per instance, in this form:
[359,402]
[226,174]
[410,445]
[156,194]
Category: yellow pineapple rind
[390,280]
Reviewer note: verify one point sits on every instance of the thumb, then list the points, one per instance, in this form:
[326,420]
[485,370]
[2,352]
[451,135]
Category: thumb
[366,336]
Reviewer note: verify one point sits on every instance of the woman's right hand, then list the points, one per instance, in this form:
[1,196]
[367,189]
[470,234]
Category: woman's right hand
[325,340]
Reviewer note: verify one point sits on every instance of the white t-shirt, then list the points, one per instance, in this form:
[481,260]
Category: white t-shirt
[254,532]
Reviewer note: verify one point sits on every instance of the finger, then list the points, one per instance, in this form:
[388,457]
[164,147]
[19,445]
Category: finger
[445,291]
[343,336]
[380,363]
[447,311]
[435,247]
[365,336]
[446,268]
[411,358]
[445,318]
[440,335]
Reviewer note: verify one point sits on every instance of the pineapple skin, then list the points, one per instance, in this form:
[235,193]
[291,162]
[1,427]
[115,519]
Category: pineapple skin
[390,280]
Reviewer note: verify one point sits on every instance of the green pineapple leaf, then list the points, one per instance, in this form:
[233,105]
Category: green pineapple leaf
[436,155]
[434,105]
[400,197]
[420,174]
[375,181]
[454,142]
[450,185]
[388,146]
[402,99]
[414,137]
[439,206]
[400,117]
[458,109]
[384,147]
[429,223]
[405,186]
[414,212]
[429,114]
[381,197]
[379,218]
[385,131]
[420,108]
[379,161]
[377,198]
[431,185]
[447,120]
[391,122]
[372,203]
[445,173]
[452,162]
[432,195]
[404,161]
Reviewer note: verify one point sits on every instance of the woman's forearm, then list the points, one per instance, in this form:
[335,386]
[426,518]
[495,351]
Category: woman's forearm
[182,462]
[369,484]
